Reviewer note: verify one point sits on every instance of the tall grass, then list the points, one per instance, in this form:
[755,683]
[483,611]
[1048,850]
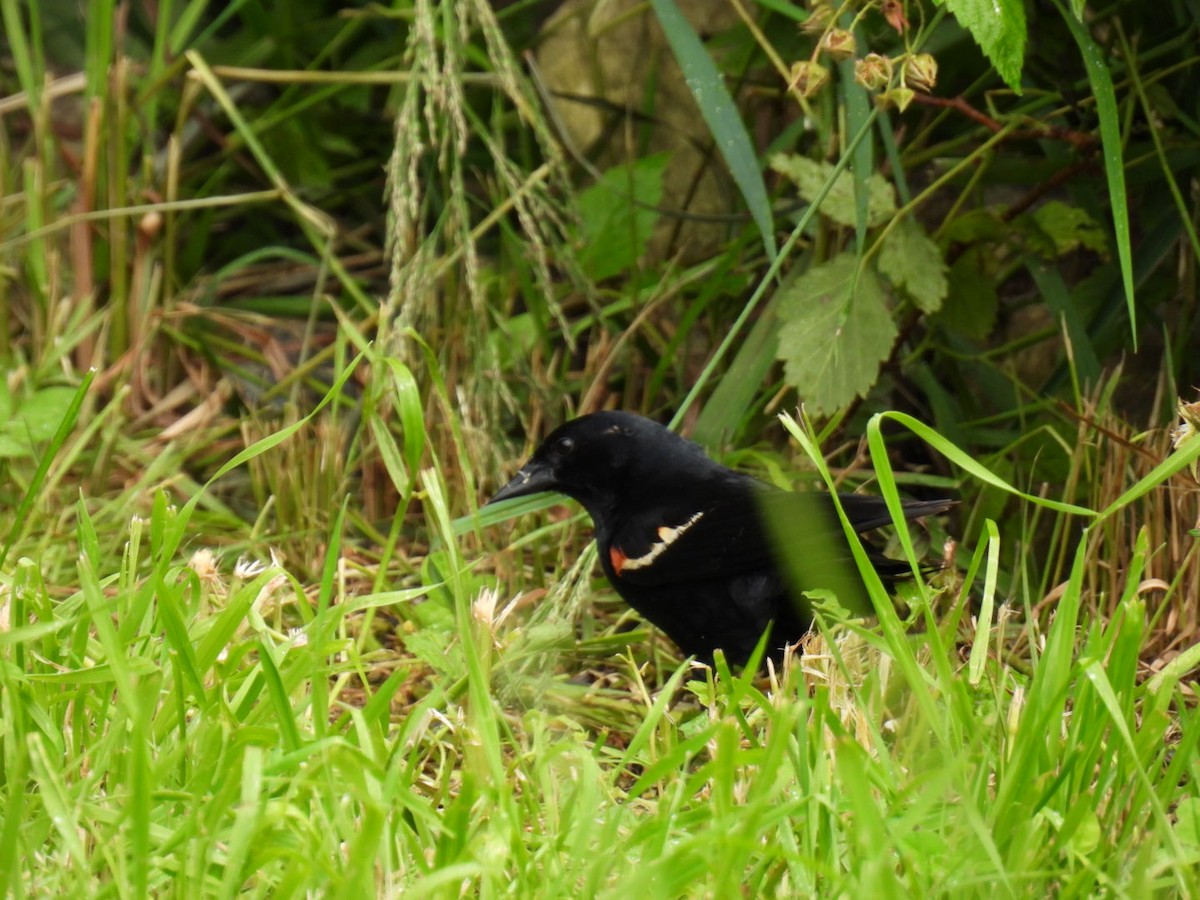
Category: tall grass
[168,732]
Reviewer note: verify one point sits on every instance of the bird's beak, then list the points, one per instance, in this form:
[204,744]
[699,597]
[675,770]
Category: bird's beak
[533,478]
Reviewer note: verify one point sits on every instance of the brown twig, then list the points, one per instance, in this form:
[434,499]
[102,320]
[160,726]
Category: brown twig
[1081,140]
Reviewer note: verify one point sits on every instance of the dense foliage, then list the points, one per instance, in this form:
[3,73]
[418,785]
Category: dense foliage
[285,288]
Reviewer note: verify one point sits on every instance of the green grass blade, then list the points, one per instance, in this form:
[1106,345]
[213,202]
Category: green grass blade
[734,334]
[101,610]
[707,85]
[1185,456]
[978,658]
[22,51]
[285,716]
[54,793]
[968,464]
[857,106]
[1114,160]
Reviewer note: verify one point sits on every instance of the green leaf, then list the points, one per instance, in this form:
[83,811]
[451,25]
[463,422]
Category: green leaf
[69,417]
[1059,300]
[12,445]
[436,648]
[1070,227]
[975,225]
[971,299]
[707,85]
[811,177]
[733,394]
[35,421]
[1187,822]
[616,229]
[912,262]
[836,330]
[998,26]
[1086,838]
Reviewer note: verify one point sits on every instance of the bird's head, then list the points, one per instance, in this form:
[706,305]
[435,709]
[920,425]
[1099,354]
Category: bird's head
[599,458]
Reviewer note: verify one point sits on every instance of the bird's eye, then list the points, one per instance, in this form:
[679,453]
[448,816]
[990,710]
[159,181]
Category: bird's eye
[563,446]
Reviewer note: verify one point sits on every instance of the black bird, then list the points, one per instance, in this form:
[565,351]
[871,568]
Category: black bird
[709,555]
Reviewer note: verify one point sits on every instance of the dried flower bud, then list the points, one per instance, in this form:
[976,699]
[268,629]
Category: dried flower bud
[898,97]
[1190,413]
[820,14]
[1188,432]
[808,77]
[893,12]
[873,71]
[920,72]
[149,227]
[839,43]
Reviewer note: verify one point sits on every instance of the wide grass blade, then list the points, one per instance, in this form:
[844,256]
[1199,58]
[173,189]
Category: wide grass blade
[1114,157]
[707,85]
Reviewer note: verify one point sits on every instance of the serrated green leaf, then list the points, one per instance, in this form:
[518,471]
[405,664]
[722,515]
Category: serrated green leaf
[912,262]
[971,299]
[616,229]
[1070,227]
[437,648]
[810,177]
[836,330]
[998,26]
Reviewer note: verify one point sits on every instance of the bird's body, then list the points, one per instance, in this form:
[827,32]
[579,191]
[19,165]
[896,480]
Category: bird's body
[709,555]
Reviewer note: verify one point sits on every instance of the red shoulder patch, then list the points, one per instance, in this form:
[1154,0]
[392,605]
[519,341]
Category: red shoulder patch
[617,558]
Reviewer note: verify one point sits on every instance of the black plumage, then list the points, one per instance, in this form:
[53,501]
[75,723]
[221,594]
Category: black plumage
[709,555]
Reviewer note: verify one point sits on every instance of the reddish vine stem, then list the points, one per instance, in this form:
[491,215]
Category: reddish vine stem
[1079,139]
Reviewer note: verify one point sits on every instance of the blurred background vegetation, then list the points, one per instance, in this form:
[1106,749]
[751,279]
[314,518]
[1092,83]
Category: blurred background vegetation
[530,210]
[295,284]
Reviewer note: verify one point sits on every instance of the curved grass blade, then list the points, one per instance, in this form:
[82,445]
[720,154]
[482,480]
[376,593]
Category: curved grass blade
[1110,141]
[721,113]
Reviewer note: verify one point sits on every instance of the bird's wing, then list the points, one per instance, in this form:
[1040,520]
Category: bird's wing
[747,532]
[866,512]
[726,536]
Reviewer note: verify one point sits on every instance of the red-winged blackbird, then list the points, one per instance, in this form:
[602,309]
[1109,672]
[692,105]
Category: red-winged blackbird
[709,555]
